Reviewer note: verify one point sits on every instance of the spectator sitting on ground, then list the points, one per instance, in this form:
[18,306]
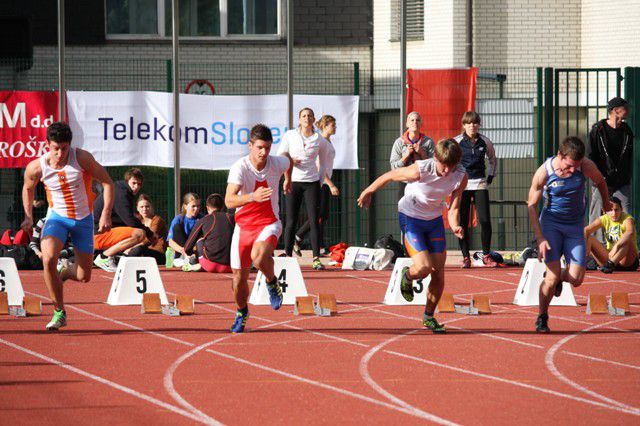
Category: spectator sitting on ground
[621,252]
[181,227]
[127,230]
[211,238]
[159,228]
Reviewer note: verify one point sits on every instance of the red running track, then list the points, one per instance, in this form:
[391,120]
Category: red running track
[371,363]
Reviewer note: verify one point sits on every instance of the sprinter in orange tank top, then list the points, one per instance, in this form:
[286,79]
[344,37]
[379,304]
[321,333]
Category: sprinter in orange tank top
[66,173]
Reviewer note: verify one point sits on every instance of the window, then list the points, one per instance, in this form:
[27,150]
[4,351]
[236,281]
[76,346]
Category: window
[198,18]
[415,20]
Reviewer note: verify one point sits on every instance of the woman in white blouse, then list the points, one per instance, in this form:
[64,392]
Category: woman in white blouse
[302,145]
[327,126]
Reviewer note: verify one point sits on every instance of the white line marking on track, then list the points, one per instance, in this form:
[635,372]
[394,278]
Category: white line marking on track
[364,372]
[125,389]
[550,363]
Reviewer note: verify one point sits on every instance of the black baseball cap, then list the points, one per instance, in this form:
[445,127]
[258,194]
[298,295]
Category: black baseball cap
[617,102]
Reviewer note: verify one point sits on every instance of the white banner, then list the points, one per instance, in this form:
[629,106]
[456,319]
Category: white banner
[134,128]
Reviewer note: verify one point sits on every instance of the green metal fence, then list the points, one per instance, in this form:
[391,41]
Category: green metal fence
[378,127]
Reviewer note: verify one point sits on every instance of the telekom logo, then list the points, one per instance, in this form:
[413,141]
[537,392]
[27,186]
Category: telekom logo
[19,113]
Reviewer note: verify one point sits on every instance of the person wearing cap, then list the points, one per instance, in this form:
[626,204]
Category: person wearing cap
[620,252]
[611,143]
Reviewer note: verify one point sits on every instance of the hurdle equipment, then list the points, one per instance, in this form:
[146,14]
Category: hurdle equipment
[10,281]
[482,303]
[287,270]
[446,303]
[135,277]
[32,305]
[4,303]
[393,296]
[151,304]
[328,302]
[619,304]
[597,304]
[185,304]
[531,279]
[304,306]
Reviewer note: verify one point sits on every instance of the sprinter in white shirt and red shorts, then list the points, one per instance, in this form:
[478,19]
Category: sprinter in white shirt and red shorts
[252,189]
[431,181]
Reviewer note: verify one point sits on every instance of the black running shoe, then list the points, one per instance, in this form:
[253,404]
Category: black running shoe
[558,291]
[608,267]
[432,324]
[542,325]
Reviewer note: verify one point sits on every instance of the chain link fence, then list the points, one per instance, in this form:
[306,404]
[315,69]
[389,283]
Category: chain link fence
[378,128]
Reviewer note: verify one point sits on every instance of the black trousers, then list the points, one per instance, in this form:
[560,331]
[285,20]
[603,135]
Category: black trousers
[310,192]
[144,251]
[323,216]
[480,198]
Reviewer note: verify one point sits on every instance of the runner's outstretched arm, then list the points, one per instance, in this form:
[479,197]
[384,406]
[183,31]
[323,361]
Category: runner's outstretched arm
[403,174]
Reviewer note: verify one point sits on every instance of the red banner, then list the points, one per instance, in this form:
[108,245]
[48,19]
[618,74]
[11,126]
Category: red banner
[441,97]
[24,118]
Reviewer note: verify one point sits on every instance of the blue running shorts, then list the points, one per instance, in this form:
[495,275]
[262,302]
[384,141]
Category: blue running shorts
[567,239]
[81,231]
[421,235]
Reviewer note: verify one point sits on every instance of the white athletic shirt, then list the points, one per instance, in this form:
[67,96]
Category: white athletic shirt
[325,159]
[244,174]
[305,149]
[425,198]
[68,189]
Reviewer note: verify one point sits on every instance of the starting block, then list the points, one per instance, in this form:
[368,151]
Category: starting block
[446,303]
[151,303]
[481,303]
[4,303]
[185,304]
[597,304]
[328,301]
[304,306]
[32,305]
[619,304]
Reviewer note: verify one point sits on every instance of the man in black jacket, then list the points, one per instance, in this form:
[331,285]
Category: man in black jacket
[127,230]
[611,143]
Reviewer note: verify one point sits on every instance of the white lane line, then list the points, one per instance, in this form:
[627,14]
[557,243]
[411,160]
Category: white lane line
[125,389]
[550,363]
[364,372]
[247,362]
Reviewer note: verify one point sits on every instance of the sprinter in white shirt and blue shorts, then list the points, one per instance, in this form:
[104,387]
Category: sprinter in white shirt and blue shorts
[431,182]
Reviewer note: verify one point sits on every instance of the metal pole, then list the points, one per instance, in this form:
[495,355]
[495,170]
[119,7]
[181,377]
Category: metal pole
[176,105]
[61,90]
[469,44]
[290,64]
[403,63]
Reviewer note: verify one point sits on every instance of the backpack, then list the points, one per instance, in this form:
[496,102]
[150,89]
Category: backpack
[389,243]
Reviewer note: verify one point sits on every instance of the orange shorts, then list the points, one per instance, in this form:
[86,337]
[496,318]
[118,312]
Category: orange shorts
[111,238]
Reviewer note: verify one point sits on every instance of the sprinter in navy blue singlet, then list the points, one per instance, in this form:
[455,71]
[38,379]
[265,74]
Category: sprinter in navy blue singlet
[561,180]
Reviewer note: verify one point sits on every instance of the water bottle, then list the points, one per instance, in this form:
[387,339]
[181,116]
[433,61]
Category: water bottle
[168,258]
